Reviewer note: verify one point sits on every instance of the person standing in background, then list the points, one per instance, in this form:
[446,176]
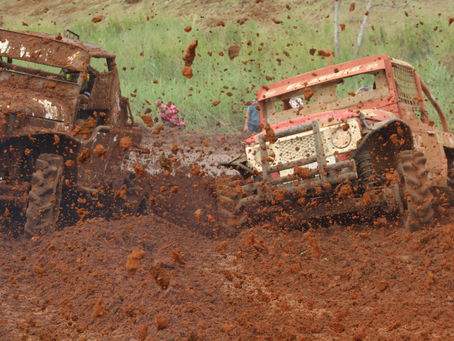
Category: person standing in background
[252,118]
[296,102]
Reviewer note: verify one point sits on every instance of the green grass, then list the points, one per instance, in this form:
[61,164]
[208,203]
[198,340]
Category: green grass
[153,50]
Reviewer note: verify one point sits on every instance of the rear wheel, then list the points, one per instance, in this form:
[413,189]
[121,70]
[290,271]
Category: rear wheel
[45,195]
[415,189]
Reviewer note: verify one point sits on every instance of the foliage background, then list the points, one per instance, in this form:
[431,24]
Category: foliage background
[150,40]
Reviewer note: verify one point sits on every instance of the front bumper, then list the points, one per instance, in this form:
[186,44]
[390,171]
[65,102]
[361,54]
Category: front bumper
[328,186]
[320,165]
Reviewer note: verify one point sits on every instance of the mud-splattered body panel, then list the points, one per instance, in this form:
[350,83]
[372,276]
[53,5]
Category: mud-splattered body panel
[55,98]
[378,89]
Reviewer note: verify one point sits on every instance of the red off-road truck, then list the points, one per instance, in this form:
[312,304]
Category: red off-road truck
[362,141]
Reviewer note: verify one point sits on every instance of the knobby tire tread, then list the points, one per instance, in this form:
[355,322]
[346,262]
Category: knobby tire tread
[44,197]
[415,189]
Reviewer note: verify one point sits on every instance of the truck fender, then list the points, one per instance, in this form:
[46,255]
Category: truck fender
[393,134]
[61,144]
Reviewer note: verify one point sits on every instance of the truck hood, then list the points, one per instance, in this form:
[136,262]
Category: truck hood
[33,104]
[37,97]
[327,118]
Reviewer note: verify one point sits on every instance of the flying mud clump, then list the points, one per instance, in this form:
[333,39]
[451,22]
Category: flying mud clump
[189,59]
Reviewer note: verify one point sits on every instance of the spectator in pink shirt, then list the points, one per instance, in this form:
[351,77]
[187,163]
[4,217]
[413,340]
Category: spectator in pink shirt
[170,114]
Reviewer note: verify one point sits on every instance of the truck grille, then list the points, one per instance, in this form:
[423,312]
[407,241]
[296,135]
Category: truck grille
[301,146]
[293,148]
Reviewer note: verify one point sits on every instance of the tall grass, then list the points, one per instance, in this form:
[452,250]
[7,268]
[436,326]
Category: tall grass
[152,51]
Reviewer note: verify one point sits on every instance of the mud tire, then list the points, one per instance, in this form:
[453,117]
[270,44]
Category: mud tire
[230,213]
[364,161]
[366,171]
[415,190]
[45,195]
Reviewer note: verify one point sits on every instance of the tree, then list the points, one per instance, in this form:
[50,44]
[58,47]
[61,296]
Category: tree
[366,14]
[336,28]
[361,30]
[370,5]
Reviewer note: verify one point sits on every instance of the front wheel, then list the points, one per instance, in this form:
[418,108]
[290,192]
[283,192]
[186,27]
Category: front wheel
[366,173]
[414,189]
[230,212]
[44,199]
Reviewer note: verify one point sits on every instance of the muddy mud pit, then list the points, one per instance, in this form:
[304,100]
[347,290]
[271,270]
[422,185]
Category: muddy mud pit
[171,275]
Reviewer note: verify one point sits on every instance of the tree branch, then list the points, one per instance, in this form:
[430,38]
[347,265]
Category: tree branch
[361,30]
[393,6]
[336,28]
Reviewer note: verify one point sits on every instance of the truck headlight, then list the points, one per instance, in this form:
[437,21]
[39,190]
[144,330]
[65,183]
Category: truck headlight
[341,138]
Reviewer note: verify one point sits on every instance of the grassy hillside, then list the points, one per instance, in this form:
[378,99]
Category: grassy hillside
[150,40]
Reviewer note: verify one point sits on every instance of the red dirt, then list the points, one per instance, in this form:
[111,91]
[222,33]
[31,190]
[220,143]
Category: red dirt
[341,282]
[172,276]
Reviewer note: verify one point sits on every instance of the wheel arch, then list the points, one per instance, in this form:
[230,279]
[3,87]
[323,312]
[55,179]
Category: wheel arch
[386,140]
[23,150]
[449,152]
[61,144]
[27,148]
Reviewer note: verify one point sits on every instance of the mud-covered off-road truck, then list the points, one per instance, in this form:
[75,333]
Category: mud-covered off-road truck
[64,130]
[362,141]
